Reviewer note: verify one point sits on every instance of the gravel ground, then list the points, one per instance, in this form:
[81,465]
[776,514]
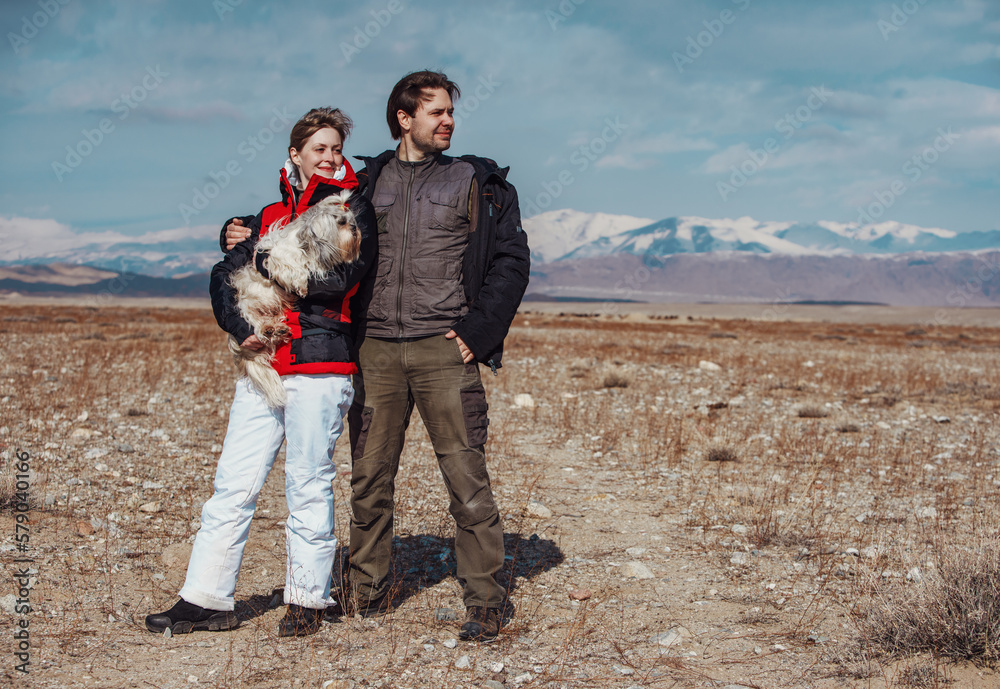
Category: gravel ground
[688,502]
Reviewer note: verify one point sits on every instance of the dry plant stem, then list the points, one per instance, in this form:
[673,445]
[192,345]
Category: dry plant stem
[810,532]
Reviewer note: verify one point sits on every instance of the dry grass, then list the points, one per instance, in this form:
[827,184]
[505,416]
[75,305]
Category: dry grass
[8,483]
[766,563]
[953,612]
[721,454]
[812,413]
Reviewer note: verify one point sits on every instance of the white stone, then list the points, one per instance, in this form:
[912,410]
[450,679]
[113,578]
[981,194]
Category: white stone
[668,638]
[524,401]
[635,551]
[450,643]
[537,509]
[927,513]
[740,529]
[739,559]
[636,570]
[463,663]
[339,684]
[709,366]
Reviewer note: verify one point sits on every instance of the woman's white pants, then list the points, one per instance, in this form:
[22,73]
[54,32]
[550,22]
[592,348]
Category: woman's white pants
[311,420]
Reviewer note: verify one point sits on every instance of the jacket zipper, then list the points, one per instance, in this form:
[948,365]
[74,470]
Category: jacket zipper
[402,256]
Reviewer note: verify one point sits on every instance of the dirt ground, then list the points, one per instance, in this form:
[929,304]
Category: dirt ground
[690,499]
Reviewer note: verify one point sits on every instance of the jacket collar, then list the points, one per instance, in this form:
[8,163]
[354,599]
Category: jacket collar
[319,188]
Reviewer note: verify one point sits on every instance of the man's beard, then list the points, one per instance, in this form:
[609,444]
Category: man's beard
[429,144]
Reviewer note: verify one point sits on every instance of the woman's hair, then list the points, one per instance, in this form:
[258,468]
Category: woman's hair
[410,91]
[316,119]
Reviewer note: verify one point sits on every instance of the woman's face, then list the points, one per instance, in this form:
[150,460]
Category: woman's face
[322,154]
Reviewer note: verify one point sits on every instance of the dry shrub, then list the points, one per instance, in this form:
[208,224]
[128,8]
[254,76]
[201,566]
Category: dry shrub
[719,453]
[848,428]
[615,380]
[813,413]
[954,612]
[8,484]
[920,675]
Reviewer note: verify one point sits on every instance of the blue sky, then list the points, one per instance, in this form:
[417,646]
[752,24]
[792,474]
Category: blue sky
[784,111]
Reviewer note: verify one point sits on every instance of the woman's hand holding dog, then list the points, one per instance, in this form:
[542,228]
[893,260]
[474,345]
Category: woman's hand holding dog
[254,343]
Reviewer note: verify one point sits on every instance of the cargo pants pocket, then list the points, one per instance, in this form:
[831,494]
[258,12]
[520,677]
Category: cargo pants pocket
[358,450]
[474,408]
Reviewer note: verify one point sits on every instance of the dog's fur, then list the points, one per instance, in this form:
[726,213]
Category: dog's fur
[308,247]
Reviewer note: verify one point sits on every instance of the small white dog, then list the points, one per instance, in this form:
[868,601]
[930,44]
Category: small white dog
[324,236]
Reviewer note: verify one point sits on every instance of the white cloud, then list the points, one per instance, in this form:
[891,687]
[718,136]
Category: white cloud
[640,153]
[29,238]
[720,163]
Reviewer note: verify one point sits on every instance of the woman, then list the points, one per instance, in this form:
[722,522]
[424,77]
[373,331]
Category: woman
[315,368]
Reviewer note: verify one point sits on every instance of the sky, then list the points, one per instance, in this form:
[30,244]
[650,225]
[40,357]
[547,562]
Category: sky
[155,119]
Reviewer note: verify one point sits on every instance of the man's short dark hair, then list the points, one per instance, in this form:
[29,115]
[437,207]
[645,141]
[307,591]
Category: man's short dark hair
[410,91]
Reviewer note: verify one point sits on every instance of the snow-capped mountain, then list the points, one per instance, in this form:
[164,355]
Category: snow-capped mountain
[564,239]
[163,253]
[570,235]
[549,234]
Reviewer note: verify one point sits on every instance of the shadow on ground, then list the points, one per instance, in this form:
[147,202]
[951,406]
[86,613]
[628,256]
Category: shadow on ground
[422,561]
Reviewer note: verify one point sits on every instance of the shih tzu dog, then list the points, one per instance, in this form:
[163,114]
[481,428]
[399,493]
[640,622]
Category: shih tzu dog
[323,237]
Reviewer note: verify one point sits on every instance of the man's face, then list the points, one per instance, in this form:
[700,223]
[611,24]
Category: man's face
[432,125]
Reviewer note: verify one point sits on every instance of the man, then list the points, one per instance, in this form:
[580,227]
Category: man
[453,265]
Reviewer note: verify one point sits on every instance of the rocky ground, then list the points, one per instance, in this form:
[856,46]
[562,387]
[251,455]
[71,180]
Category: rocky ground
[687,502]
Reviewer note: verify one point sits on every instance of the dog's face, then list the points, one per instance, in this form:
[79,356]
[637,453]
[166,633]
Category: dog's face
[349,240]
[332,223]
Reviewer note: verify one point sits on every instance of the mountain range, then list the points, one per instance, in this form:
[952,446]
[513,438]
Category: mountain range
[579,255]
[568,235]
